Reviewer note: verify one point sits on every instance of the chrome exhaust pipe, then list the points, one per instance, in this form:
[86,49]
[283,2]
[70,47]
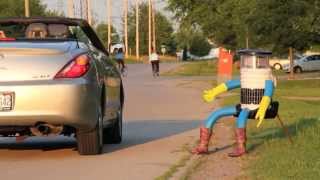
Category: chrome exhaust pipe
[43,129]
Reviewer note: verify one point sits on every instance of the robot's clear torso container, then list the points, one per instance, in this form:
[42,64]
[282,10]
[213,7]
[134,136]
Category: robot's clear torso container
[254,72]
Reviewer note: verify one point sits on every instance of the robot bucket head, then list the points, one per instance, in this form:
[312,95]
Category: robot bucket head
[254,59]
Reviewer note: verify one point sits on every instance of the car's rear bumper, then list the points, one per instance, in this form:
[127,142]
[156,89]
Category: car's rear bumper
[60,102]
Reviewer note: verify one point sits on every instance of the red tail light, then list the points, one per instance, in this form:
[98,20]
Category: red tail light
[76,68]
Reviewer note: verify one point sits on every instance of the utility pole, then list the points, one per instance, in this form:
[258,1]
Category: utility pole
[150,27]
[247,42]
[81,10]
[126,27]
[27,8]
[247,38]
[154,44]
[137,30]
[70,9]
[109,23]
[89,16]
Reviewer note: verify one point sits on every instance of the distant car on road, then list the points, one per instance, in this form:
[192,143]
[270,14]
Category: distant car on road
[56,79]
[279,63]
[308,63]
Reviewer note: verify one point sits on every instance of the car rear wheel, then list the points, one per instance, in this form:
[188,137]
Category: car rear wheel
[113,135]
[91,143]
[297,70]
[277,66]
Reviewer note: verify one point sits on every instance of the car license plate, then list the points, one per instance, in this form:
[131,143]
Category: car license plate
[6,101]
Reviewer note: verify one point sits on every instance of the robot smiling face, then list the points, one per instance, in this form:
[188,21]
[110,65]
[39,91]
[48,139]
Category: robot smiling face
[254,72]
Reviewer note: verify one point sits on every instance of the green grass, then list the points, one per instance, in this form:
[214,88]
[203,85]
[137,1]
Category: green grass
[175,167]
[271,156]
[131,60]
[204,68]
[196,68]
[305,88]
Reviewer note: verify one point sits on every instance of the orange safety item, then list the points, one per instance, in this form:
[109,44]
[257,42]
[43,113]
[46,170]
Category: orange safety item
[225,63]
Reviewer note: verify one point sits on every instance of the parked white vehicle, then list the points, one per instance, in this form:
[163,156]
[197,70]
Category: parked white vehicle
[278,64]
[308,63]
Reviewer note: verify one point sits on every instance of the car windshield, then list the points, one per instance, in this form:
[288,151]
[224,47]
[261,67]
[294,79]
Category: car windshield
[41,31]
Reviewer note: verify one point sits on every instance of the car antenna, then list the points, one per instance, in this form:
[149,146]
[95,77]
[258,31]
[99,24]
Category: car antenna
[76,38]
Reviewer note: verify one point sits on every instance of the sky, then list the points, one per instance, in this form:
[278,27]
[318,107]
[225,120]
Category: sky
[99,9]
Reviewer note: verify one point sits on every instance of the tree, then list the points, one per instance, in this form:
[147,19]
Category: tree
[223,21]
[272,24]
[164,30]
[102,31]
[284,24]
[192,39]
[15,8]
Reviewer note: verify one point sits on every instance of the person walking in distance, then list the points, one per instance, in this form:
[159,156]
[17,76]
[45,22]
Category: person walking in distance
[120,60]
[154,60]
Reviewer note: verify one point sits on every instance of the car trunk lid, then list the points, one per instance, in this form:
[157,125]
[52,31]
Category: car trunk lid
[21,61]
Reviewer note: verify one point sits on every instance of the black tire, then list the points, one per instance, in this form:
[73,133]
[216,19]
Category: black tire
[113,135]
[91,143]
[297,70]
[277,66]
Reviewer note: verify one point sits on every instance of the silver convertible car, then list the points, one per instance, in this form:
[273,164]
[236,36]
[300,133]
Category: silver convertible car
[56,79]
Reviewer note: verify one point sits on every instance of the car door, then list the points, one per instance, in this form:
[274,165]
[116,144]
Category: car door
[112,82]
[307,64]
[317,63]
[312,63]
[109,75]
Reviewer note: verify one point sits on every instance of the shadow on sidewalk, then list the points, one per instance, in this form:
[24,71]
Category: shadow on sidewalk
[144,131]
[134,133]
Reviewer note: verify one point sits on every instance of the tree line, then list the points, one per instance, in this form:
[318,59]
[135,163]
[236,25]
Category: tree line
[274,24]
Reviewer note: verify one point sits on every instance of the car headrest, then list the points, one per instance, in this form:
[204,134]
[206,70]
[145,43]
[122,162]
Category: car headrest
[37,30]
[2,34]
[58,31]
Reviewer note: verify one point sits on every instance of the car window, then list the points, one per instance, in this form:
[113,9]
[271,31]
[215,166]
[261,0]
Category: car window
[310,58]
[13,31]
[78,34]
[43,31]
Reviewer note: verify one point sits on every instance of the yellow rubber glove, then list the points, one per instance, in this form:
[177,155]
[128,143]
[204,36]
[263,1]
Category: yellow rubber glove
[263,106]
[209,95]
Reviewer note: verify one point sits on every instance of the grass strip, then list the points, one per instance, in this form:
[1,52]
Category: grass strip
[174,168]
[271,156]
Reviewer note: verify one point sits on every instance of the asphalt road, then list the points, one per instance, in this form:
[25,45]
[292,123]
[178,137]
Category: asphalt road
[161,115]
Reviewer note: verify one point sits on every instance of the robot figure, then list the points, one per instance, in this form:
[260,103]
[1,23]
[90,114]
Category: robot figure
[257,86]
